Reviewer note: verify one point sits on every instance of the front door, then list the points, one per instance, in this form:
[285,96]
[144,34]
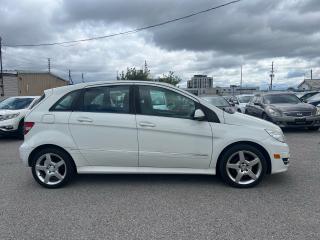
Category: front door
[104,127]
[168,135]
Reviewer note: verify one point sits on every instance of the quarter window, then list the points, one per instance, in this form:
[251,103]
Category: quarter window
[67,102]
[163,102]
[113,99]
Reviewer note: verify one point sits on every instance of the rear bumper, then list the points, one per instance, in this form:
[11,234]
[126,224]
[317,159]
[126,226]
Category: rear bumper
[25,151]
[294,122]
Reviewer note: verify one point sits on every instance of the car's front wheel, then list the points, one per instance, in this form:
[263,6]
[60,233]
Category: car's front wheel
[242,166]
[52,167]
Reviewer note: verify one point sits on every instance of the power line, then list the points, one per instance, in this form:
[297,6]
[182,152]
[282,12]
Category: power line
[126,32]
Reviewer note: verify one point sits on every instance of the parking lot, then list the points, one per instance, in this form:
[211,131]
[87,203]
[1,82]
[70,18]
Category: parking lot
[284,206]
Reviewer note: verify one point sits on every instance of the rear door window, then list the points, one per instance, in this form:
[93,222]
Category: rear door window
[110,99]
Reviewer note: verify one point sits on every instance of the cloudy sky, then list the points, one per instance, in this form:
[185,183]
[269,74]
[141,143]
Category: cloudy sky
[252,33]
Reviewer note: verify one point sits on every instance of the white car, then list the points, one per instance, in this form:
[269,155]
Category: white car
[12,113]
[242,100]
[118,127]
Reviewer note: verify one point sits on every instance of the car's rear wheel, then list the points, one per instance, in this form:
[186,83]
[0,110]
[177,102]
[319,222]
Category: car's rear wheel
[242,166]
[52,167]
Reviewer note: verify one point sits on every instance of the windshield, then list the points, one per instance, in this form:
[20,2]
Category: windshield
[281,98]
[16,103]
[217,101]
[244,99]
[314,98]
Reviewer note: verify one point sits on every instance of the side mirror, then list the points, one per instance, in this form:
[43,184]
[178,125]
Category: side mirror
[199,115]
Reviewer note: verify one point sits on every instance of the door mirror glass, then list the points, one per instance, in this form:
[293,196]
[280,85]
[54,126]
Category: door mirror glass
[199,115]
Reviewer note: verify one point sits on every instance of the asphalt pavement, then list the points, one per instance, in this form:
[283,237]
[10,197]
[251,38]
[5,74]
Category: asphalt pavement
[283,206]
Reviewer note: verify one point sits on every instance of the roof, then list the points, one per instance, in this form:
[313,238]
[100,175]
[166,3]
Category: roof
[102,83]
[314,83]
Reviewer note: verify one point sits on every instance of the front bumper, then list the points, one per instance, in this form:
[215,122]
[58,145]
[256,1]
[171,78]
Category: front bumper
[9,126]
[279,155]
[289,122]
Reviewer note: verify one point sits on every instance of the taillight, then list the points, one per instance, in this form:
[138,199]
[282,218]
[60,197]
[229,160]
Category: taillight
[27,127]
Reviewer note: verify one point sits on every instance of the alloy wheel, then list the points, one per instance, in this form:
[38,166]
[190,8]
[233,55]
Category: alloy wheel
[50,169]
[244,167]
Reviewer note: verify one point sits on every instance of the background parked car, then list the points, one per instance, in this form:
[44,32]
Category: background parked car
[285,110]
[12,113]
[307,95]
[314,100]
[222,103]
[242,100]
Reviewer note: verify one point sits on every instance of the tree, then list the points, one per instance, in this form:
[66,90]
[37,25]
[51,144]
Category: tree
[136,74]
[170,78]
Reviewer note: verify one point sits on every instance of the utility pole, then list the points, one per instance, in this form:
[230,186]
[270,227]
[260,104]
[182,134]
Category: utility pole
[1,71]
[241,81]
[49,65]
[311,74]
[271,76]
[70,78]
[82,78]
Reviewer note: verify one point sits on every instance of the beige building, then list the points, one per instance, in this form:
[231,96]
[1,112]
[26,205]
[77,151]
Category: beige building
[29,83]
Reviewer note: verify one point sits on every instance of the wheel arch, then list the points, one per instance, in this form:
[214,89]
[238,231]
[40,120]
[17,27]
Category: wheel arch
[41,147]
[253,144]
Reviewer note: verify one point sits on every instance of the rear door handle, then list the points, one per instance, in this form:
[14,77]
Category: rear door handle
[146,124]
[84,120]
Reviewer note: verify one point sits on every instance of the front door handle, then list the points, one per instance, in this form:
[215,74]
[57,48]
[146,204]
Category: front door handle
[146,124]
[84,120]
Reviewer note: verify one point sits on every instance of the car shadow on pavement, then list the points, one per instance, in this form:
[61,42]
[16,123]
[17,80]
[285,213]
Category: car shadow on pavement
[9,139]
[119,179]
[299,130]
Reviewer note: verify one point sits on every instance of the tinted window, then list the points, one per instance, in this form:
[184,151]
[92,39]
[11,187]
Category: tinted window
[283,98]
[163,102]
[16,103]
[217,101]
[113,99]
[67,102]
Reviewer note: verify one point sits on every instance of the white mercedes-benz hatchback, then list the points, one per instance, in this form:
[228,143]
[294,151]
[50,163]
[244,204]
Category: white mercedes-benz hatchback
[145,127]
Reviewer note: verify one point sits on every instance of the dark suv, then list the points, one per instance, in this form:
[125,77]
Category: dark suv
[285,110]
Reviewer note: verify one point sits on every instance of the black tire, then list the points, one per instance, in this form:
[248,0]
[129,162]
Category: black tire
[20,132]
[246,111]
[313,128]
[231,153]
[265,117]
[68,168]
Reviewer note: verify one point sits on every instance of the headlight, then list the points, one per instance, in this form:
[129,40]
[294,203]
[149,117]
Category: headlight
[276,134]
[8,116]
[273,112]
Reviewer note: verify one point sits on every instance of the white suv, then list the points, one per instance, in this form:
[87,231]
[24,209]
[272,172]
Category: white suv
[146,127]
[12,113]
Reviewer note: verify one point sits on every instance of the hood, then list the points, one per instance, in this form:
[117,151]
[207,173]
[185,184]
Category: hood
[286,107]
[7,111]
[240,119]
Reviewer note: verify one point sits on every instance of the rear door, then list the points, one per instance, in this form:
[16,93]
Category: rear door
[104,126]
[168,135]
